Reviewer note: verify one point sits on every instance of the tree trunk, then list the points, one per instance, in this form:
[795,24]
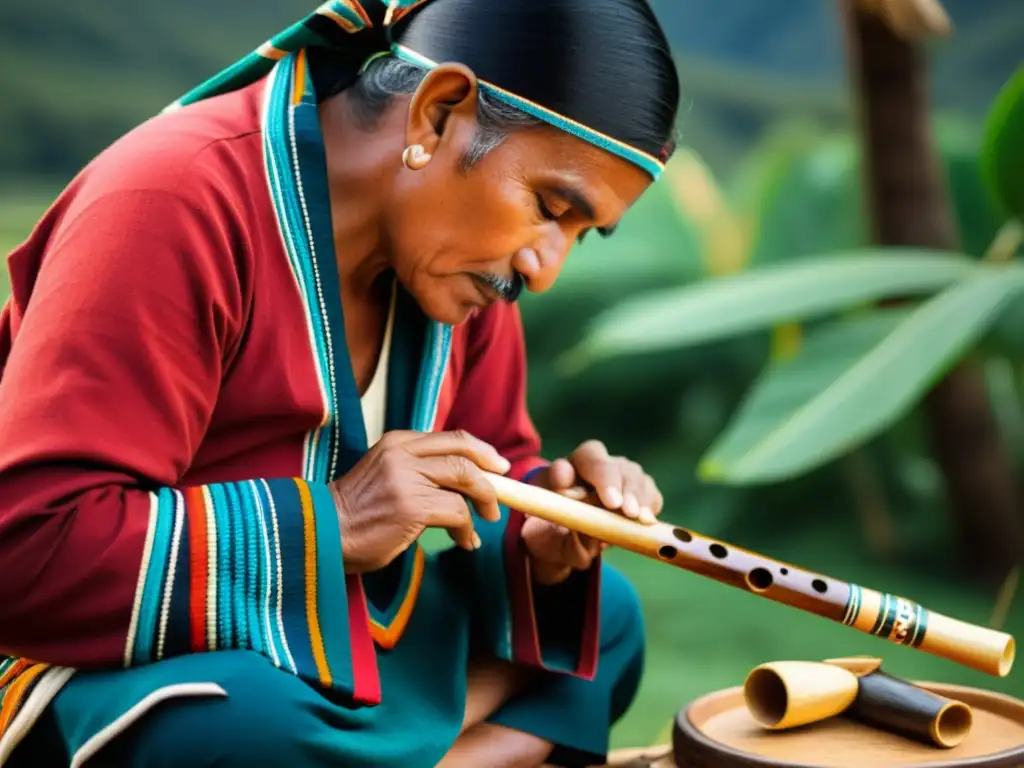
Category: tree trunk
[908,204]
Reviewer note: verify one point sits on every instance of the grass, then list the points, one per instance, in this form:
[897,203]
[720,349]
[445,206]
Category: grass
[704,636]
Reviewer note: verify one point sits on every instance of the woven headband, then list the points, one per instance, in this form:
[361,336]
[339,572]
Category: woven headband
[349,16]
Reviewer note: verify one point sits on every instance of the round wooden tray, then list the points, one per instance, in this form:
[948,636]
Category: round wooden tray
[717,730]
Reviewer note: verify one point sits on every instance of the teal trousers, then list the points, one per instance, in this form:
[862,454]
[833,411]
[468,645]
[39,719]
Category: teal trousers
[235,709]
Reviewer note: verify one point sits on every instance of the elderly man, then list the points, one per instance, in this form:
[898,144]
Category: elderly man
[263,342]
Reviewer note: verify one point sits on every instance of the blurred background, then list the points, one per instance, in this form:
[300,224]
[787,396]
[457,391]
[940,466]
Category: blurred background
[928,505]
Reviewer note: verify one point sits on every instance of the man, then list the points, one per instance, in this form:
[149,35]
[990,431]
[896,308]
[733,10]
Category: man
[269,337]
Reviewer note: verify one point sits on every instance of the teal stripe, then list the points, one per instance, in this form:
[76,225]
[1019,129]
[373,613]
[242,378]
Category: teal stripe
[268,595]
[331,597]
[236,545]
[253,566]
[149,609]
[343,10]
[558,121]
[222,555]
[289,210]
[435,361]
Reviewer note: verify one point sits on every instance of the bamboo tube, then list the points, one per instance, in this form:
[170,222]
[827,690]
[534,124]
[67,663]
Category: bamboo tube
[786,694]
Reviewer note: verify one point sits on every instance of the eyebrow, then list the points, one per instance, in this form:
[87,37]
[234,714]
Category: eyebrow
[581,203]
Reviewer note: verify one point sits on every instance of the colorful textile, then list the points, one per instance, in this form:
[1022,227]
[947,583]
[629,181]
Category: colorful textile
[234,708]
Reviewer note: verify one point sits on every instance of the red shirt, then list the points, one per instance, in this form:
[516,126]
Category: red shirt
[154,338]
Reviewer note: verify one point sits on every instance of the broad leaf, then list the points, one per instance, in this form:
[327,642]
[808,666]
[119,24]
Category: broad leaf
[852,379]
[1002,156]
[752,301]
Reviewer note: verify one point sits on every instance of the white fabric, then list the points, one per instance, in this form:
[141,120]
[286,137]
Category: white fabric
[375,399]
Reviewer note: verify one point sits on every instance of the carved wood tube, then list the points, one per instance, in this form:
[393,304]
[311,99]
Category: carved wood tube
[889,617]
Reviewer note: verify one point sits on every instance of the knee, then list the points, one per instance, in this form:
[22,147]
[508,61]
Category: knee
[263,720]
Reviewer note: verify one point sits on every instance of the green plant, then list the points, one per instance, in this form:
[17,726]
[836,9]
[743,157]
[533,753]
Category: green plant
[852,364]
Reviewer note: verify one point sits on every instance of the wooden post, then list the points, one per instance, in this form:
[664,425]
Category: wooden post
[908,203]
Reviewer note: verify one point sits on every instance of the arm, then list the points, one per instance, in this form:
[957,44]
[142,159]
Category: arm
[555,628]
[108,390]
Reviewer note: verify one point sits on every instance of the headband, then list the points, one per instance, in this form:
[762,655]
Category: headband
[346,25]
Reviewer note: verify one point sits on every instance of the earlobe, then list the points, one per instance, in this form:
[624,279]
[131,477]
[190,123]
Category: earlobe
[415,157]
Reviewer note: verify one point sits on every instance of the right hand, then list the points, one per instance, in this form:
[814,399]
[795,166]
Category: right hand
[410,481]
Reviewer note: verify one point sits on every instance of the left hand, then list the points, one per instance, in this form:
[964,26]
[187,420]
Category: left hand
[620,485]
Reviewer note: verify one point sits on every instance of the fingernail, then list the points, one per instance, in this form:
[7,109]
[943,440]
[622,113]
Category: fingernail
[614,496]
[631,506]
[504,464]
[476,540]
[647,516]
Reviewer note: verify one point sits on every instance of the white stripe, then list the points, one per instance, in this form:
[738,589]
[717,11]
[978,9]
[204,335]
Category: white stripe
[147,554]
[43,692]
[104,737]
[267,629]
[165,610]
[211,571]
[280,579]
[329,410]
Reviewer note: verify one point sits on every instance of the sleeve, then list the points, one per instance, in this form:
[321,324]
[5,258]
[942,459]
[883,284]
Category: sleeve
[108,391]
[554,628]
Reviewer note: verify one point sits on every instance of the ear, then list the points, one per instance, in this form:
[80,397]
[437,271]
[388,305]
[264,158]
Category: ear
[450,90]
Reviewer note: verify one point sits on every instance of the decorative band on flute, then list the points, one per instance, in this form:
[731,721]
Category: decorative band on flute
[897,619]
[886,616]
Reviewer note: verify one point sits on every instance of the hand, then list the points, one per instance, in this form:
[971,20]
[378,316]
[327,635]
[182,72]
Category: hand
[615,483]
[410,481]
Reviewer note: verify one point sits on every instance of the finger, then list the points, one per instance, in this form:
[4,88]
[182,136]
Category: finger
[655,501]
[634,493]
[457,473]
[574,552]
[460,443]
[595,467]
[561,475]
[447,510]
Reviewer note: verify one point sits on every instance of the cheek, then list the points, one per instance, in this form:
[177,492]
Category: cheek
[471,219]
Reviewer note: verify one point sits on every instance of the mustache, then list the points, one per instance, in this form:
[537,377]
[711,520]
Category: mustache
[508,288]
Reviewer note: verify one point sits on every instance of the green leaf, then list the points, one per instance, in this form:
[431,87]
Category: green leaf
[751,301]
[1002,155]
[854,378]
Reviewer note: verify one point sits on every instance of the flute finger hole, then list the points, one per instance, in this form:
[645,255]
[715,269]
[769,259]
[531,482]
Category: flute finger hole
[718,551]
[683,535]
[667,552]
[819,586]
[759,579]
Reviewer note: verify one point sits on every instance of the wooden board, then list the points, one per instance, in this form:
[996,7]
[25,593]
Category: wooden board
[717,730]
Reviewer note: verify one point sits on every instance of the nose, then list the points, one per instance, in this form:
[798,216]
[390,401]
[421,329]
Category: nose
[539,267]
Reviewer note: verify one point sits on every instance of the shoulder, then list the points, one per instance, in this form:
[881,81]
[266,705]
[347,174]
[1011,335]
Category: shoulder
[206,156]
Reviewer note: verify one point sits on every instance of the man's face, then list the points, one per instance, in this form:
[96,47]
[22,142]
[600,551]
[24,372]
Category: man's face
[457,238]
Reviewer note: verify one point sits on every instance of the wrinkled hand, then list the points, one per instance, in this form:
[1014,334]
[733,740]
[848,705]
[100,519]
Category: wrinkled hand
[409,481]
[615,483]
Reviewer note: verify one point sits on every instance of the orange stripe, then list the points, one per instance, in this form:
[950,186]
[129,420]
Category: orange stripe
[340,20]
[309,539]
[387,637]
[199,568]
[299,85]
[16,669]
[14,697]
[358,9]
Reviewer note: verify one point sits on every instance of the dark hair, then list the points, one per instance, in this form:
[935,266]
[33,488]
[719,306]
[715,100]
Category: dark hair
[603,63]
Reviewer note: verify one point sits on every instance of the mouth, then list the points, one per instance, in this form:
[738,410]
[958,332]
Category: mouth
[496,287]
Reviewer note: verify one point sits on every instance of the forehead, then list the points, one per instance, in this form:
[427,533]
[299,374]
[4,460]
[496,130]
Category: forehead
[545,153]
